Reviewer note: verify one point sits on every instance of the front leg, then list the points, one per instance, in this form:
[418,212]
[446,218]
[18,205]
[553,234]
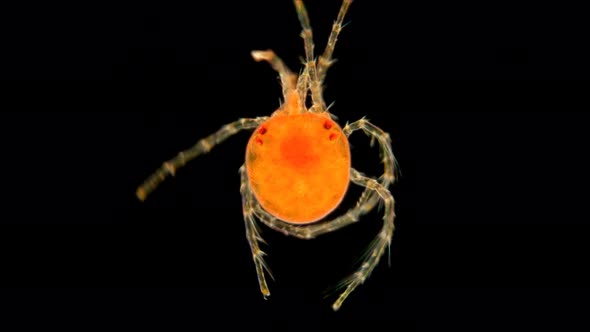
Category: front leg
[202,146]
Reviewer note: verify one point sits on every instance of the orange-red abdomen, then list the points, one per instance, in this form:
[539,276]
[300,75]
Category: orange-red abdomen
[298,166]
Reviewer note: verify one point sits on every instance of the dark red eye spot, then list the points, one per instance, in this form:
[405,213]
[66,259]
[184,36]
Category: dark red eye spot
[327,124]
[258,140]
[332,136]
[262,130]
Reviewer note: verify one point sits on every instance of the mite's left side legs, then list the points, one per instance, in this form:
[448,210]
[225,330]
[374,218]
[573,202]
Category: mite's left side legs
[253,234]
[202,146]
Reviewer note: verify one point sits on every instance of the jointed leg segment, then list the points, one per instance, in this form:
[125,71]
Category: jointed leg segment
[202,146]
[302,85]
[253,234]
[288,78]
[310,64]
[325,59]
[387,157]
[379,244]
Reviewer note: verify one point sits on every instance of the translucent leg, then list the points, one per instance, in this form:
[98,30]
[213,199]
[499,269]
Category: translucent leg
[325,60]
[315,84]
[379,244]
[288,78]
[253,234]
[390,167]
[303,85]
[203,146]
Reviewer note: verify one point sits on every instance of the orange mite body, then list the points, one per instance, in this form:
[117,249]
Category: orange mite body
[298,166]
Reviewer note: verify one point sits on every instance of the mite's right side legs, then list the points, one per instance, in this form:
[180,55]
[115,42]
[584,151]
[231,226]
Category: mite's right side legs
[325,60]
[379,244]
[315,85]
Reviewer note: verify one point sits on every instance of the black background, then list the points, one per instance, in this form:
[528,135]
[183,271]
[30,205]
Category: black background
[480,100]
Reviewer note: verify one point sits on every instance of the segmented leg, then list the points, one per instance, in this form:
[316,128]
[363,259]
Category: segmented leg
[325,60]
[387,158]
[302,85]
[203,146]
[379,244]
[253,234]
[364,205]
[307,35]
[288,78]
